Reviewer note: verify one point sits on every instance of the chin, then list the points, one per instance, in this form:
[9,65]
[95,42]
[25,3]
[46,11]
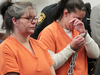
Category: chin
[31,33]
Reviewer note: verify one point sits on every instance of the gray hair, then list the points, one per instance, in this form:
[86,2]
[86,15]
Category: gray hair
[19,8]
[16,10]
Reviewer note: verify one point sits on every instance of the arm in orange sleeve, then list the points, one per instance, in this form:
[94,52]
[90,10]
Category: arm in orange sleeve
[1,59]
[10,61]
[47,38]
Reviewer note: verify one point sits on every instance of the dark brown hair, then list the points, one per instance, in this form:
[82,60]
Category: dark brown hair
[70,5]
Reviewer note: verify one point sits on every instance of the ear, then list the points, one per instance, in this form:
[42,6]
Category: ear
[15,21]
[65,12]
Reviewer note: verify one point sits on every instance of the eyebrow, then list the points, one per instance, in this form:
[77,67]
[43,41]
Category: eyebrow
[78,18]
[31,16]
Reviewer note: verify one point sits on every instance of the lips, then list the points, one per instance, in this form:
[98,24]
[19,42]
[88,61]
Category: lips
[32,27]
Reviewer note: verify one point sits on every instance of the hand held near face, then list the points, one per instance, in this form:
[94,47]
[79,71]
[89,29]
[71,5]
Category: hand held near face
[78,25]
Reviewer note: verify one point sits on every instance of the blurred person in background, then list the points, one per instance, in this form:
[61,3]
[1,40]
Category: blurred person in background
[95,31]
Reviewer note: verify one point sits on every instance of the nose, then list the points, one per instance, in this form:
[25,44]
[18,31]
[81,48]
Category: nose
[33,21]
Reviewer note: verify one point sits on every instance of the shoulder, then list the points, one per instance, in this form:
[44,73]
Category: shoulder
[50,30]
[8,45]
[94,12]
[52,26]
[96,7]
[7,41]
[38,43]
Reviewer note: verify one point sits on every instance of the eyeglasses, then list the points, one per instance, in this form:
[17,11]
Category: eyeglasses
[30,19]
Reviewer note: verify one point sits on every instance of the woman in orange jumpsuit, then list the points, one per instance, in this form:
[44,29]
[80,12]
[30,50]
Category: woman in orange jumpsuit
[67,41]
[19,53]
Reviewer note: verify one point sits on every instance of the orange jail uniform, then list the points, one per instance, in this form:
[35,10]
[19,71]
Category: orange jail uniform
[55,39]
[14,57]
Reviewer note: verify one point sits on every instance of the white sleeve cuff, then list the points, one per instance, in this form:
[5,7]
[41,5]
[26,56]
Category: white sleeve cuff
[88,39]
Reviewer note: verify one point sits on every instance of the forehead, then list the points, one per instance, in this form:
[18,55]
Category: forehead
[79,14]
[29,12]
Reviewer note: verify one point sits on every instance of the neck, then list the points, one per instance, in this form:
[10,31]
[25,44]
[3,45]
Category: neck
[63,25]
[20,38]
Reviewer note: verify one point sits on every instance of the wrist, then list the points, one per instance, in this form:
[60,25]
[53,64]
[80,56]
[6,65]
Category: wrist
[73,48]
[84,34]
[83,31]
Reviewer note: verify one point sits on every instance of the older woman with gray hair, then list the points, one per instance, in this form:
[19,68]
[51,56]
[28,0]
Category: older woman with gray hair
[19,53]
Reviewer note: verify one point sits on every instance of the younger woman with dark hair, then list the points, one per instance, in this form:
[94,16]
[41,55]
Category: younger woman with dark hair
[67,41]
